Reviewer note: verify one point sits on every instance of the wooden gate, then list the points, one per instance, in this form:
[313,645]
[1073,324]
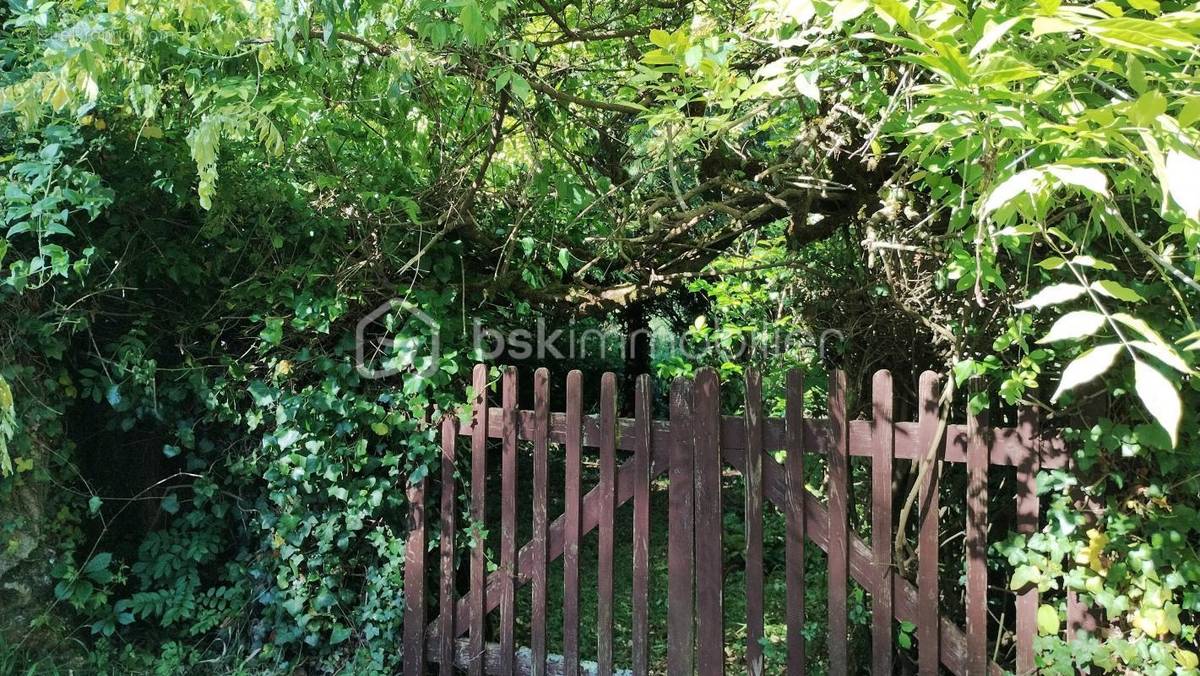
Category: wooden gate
[693,448]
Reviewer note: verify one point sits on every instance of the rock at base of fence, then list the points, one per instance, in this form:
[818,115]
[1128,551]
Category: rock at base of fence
[523,662]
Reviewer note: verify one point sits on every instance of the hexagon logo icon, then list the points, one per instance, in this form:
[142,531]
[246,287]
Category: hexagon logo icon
[380,353]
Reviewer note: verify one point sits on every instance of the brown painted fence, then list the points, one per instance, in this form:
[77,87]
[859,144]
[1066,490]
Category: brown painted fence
[693,448]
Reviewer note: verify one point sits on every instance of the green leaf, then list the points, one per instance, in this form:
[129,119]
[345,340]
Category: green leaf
[848,10]
[1074,325]
[1117,290]
[520,87]
[1147,108]
[1021,183]
[1047,620]
[1087,367]
[992,34]
[287,438]
[380,428]
[897,13]
[1092,262]
[1159,397]
[339,635]
[1023,576]
[1163,353]
[1140,34]
[1053,295]
[1092,180]
[806,84]
[272,334]
[660,38]
[1187,115]
[1140,326]
[471,19]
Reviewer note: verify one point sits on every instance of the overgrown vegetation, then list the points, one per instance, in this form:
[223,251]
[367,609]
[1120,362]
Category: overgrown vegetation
[202,198]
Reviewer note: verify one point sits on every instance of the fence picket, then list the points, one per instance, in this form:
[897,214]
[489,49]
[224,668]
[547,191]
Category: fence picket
[883,440]
[449,507]
[1027,523]
[928,621]
[479,437]
[680,542]
[508,521]
[754,524]
[710,639]
[608,493]
[976,538]
[574,450]
[641,527]
[839,526]
[414,582]
[795,523]
[541,442]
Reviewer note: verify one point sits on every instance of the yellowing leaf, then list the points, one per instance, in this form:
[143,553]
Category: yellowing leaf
[1159,397]
[1047,620]
[1187,659]
[1087,367]
[59,98]
[1074,325]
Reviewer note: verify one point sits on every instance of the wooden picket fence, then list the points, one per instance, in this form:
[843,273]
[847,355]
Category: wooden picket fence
[692,448]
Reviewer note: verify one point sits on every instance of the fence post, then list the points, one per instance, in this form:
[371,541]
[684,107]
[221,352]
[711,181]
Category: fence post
[883,441]
[414,582]
[508,521]
[541,442]
[574,449]
[446,596]
[680,543]
[641,525]
[608,499]
[839,525]
[978,458]
[479,437]
[928,620]
[1027,523]
[795,522]
[710,635]
[754,523]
